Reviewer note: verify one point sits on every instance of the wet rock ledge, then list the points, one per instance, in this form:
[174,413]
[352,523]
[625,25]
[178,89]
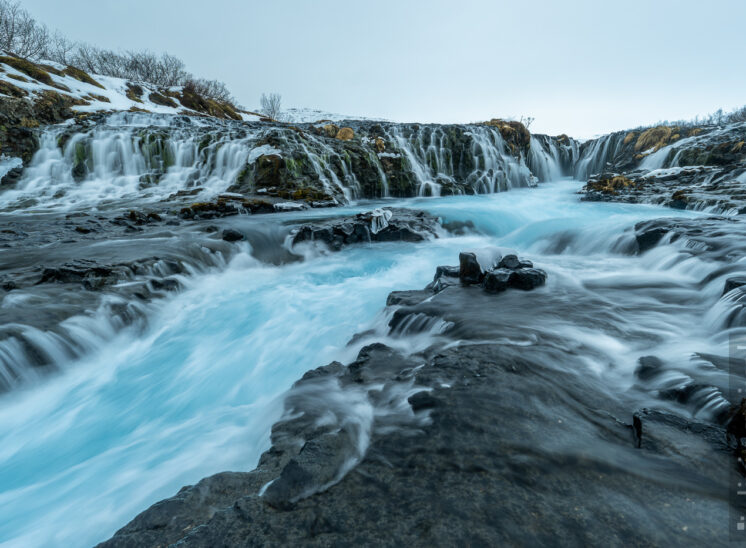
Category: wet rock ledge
[480,444]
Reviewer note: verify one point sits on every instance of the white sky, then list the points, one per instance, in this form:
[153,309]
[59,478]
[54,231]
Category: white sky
[579,67]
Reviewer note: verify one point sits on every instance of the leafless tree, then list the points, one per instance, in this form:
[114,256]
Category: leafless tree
[20,34]
[59,49]
[271,105]
[212,89]
[23,36]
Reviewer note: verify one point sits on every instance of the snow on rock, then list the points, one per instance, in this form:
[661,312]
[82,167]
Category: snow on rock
[264,150]
[98,93]
[309,115]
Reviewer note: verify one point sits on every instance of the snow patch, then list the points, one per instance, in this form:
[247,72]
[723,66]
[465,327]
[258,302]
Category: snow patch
[263,150]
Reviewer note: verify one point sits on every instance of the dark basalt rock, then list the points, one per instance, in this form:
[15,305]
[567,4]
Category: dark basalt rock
[473,265]
[231,235]
[501,279]
[509,272]
[497,280]
[648,367]
[385,225]
[510,262]
[90,275]
[10,179]
[500,450]
[445,276]
[470,271]
[527,278]
[166,284]
[733,283]
[225,206]
[649,238]
[9,286]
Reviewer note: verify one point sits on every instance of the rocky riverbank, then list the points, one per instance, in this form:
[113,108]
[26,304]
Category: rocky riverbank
[482,443]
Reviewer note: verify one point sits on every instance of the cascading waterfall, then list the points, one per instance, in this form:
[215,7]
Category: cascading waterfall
[670,155]
[550,160]
[596,156]
[469,159]
[149,157]
[129,158]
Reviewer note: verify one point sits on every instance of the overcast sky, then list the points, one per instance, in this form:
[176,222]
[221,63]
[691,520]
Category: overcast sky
[578,67]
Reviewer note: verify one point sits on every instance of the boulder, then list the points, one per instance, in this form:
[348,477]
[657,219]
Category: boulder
[497,281]
[501,279]
[231,235]
[444,277]
[527,278]
[470,271]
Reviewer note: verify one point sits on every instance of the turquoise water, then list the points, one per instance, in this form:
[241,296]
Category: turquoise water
[84,452]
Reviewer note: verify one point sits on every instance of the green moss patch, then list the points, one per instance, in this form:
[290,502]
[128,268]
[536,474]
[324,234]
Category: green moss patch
[162,100]
[81,76]
[6,88]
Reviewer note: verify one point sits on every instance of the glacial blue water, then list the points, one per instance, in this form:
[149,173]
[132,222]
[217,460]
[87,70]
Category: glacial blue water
[85,451]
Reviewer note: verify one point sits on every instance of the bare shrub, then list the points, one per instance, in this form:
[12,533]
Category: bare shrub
[271,105]
[20,34]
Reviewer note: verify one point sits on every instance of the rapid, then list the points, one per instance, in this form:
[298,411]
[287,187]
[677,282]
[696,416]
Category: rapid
[197,390]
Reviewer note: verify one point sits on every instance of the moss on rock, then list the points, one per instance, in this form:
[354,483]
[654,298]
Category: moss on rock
[28,68]
[6,88]
[611,184]
[162,100]
[134,92]
[514,133]
[656,138]
[81,76]
[345,134]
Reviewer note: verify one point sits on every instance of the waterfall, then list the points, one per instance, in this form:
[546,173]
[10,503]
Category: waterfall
[547,160]
[470,159]
[143,157]
[130,157]
[598,154]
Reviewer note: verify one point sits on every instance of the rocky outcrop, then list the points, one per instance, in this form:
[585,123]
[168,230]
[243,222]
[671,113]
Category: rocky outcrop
[20,117]
[226,206]
[684,168]
[380,225]
[491,270]
[717,188]
[515,134]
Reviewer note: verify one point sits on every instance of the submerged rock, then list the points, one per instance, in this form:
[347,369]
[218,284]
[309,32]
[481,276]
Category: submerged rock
[231,235]
[733,283]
